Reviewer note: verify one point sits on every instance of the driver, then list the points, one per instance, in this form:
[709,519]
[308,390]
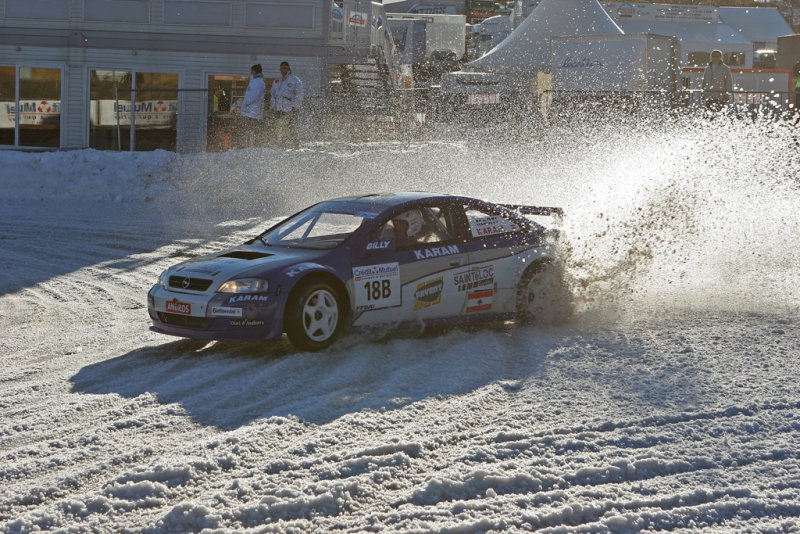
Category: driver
[408,227]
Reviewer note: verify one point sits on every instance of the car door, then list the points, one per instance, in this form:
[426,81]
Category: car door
[400,280]
[493,244]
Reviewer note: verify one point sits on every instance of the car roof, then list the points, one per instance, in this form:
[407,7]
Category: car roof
[379,202]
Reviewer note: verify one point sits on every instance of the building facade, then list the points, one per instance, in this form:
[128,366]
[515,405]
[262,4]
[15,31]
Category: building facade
[72,71]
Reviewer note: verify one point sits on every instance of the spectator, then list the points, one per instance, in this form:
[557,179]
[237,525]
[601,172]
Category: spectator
[717,83]
[286,99]
[253,106]
[796,72]
[221,102]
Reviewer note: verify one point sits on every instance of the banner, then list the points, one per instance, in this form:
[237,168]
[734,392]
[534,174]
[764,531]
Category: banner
[357,19]
[149,113]
[32,113]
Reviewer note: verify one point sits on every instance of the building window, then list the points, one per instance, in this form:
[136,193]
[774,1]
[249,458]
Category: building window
[155,123]
[8,101]
[40,107]
[110,109]
[154,116]
[699,58]
[225,97]
[734,59]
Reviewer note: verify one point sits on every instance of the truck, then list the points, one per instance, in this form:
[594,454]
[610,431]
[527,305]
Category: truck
[441,32]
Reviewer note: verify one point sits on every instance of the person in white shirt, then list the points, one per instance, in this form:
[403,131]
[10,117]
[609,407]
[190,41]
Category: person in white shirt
[286,99]
[253,106]
[717,82]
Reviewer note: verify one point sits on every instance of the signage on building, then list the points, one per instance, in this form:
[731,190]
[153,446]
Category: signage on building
[663,12]
[149,113]
[357,19]
[337,14]
[32,113]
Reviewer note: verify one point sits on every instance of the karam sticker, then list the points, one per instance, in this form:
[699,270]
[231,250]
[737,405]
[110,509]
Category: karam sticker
[436,252]
[174,306]
[377,286]
[248,298]
[480,301]
[428,293]
[491,225]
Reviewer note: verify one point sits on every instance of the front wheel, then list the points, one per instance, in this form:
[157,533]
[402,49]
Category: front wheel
[314,316]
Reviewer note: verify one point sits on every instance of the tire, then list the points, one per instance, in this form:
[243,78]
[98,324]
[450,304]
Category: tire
[314,316]
[542,297]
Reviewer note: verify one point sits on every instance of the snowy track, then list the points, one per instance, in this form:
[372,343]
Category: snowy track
[675,408]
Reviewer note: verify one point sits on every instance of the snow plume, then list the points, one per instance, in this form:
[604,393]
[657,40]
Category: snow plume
[700,215]
[675,212]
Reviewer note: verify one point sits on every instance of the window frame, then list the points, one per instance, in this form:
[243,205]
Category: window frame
[62,93]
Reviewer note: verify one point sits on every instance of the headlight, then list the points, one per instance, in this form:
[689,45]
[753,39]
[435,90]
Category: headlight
[244,285]
[163,278]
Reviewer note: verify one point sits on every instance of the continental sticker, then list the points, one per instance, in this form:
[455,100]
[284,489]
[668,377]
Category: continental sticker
[223,311]
[428,293]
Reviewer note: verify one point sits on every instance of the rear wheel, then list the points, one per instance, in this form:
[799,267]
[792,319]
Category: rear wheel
[314,316]
[542,297]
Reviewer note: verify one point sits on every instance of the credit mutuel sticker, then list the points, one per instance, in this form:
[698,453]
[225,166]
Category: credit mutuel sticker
[377,286]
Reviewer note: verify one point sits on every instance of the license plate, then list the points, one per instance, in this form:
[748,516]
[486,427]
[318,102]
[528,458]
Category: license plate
[484,98]
[174,306]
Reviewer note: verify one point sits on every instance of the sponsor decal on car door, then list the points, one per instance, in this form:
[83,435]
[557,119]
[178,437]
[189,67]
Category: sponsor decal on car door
[418,285]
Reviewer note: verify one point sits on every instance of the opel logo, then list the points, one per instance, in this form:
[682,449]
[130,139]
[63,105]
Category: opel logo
[186,282]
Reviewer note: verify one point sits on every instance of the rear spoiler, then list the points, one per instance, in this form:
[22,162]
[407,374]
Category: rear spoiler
[534,210]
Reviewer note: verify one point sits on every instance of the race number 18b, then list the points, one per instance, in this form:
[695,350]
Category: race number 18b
[378,289]
[377,286]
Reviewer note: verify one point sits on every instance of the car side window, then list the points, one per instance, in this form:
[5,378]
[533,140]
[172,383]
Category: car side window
[482,223]
[418,226]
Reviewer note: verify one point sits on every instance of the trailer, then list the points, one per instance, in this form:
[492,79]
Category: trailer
[441,32]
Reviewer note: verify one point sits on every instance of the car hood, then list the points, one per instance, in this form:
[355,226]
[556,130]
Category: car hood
[241,261]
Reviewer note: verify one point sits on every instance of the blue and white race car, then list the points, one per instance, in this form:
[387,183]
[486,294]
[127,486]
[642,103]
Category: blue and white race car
[397,259]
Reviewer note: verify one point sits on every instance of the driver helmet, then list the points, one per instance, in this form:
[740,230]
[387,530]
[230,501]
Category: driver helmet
[413,221]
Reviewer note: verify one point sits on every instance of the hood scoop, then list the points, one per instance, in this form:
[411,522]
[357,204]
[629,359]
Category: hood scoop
[244,255]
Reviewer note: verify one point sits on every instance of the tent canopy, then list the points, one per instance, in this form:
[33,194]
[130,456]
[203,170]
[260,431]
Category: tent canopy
[758,24]
[528,47]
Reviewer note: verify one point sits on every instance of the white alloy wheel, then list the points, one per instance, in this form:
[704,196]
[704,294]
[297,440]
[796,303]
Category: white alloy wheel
[320,315]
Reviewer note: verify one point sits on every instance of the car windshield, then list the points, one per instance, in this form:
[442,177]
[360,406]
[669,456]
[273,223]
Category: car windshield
[315,228]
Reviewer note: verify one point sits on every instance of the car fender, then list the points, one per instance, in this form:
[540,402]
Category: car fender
[291,277]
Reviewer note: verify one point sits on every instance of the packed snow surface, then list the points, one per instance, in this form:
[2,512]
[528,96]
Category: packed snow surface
[667,402]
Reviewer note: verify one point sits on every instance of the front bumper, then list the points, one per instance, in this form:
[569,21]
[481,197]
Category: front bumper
[220,316]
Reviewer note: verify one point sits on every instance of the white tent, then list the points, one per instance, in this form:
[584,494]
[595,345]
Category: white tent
[762,25]
[528,47]
[695,36]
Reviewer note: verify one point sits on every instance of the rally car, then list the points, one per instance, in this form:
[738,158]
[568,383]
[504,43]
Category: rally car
[386,259]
